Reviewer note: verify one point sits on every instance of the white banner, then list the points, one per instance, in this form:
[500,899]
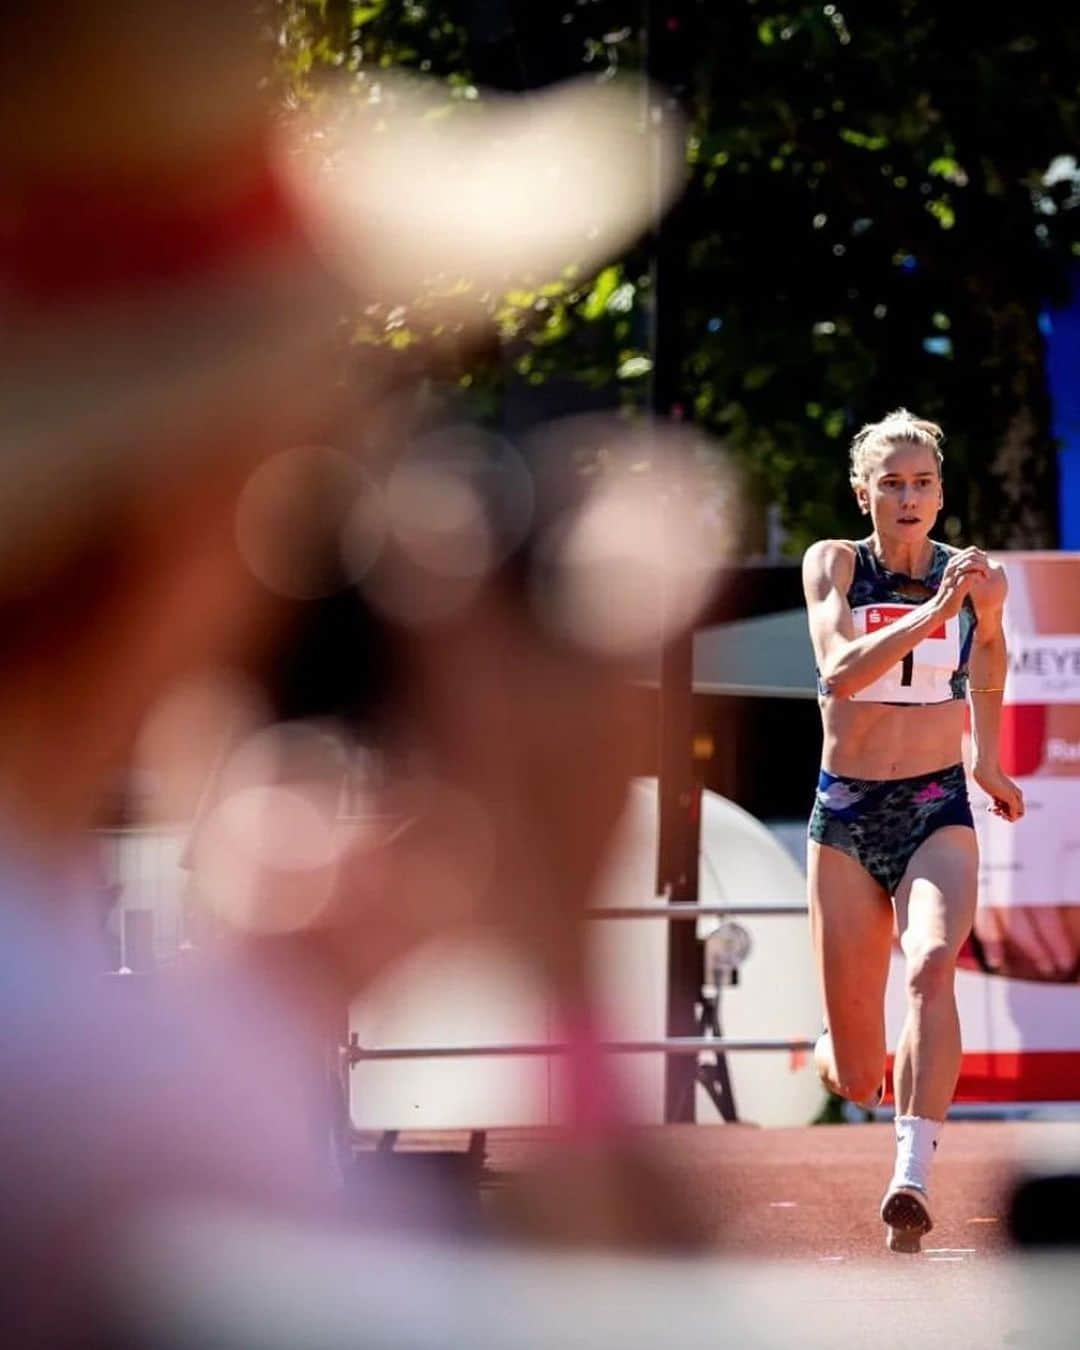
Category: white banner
[1043,668]
[1017,989]
[1036,862]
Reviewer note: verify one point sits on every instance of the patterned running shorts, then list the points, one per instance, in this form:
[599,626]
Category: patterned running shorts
[880,823]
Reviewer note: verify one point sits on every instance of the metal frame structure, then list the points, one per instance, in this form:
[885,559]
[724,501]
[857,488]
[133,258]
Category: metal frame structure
[714,1077]
[667,1045]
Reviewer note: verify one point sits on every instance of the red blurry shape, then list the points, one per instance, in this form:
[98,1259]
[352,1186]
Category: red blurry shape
[1023,738]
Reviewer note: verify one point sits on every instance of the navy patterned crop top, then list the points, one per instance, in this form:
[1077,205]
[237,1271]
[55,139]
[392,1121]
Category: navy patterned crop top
[936,669]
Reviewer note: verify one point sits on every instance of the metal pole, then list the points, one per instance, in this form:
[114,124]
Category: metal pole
[680,794]
[685,912]
[674,1047]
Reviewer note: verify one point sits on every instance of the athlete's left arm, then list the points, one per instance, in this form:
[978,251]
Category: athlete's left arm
[988,667]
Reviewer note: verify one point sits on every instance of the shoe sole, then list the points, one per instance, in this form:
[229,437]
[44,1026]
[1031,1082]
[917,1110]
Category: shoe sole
[905,1215]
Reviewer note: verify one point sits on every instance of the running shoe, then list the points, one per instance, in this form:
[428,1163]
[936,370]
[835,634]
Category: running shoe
[905,1212]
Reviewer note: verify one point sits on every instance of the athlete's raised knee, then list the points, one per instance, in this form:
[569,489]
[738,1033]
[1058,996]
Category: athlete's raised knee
[852,1072]
[859,1076]
[859,1083]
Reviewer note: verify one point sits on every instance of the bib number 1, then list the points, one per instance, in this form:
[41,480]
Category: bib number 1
[923,675]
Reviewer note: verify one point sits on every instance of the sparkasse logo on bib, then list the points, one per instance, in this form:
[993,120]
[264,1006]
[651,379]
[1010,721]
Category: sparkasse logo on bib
[880,616]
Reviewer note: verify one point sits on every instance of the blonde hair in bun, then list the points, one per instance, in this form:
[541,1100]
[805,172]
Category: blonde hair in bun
[897,427]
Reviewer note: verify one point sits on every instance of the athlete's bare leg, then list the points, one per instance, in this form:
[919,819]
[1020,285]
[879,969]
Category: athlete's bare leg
[935,908]
[852,925]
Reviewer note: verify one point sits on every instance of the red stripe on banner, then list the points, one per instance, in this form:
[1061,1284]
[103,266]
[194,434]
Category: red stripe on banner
[1023,737]
[65,240]
[1017,1076]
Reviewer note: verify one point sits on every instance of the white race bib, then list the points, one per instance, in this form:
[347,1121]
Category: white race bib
[923,675]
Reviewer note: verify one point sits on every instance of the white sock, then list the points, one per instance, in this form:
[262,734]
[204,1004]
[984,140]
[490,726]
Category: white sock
[916,1141]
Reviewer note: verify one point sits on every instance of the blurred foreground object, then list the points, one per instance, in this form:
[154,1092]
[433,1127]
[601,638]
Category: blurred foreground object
[193,1279]
[1045,1211]
[170,328]
[522,593]
[416,197]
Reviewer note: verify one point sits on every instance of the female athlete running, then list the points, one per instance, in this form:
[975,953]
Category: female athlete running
[904,629]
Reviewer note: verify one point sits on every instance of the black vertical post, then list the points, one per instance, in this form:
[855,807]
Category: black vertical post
[680,796]
[677,866]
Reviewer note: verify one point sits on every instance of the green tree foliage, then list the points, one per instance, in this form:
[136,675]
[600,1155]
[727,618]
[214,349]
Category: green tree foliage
[882,204]
[873,226]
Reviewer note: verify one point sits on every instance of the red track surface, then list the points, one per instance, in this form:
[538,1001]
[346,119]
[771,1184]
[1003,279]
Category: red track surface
[796,1249]
[814,1193]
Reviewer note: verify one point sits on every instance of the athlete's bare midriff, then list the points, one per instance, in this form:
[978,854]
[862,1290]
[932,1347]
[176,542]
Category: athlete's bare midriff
[877,740]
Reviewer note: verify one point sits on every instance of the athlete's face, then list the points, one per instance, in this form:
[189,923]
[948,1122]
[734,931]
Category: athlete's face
[902,492]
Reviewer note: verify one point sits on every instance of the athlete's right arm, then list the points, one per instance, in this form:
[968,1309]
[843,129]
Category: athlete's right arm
[847,663]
